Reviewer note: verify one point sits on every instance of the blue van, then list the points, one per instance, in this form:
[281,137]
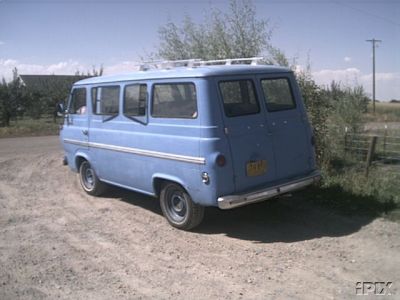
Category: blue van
[193,136]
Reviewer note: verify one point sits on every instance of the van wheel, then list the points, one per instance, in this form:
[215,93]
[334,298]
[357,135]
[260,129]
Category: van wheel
[178,208]
[89,180]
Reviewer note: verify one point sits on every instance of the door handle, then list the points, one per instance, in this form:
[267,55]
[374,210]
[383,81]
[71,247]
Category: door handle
[85,131]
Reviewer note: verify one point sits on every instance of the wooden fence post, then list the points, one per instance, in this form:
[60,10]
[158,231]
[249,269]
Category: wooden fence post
[384,140]
[370,155]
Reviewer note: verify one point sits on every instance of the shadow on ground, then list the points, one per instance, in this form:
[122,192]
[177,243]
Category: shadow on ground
[304,216]
[133,198]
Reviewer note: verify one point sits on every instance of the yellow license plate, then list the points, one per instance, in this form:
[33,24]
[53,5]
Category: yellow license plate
[256,168]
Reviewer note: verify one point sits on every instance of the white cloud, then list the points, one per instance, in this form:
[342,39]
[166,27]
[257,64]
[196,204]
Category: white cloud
[68,67]
[347,76]
[387,84]
[2,43]
[347,59]
[9,62]
[123,67]
[381,76]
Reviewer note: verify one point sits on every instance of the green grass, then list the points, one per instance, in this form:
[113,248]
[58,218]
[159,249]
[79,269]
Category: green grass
[30,127]
[347,190]
[384,112]
[345,187]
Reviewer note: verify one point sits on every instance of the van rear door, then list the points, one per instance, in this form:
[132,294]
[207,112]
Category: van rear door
[287,125]
[244,120]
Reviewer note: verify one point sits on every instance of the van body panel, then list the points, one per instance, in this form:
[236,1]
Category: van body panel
[213,142]
[260,150]
[131,152]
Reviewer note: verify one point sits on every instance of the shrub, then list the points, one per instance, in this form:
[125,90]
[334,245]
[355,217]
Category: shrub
[331,110]
[318,109]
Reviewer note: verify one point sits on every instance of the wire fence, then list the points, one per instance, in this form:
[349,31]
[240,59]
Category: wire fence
[373,148]
[377,145]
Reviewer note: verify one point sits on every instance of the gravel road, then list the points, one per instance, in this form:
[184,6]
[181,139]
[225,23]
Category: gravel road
[58,242]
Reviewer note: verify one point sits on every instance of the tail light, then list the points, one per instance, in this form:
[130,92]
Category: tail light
[220,160]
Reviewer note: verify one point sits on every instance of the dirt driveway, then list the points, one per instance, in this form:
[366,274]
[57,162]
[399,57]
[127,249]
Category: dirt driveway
[58,242]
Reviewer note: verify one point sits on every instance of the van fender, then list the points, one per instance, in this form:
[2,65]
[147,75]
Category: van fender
[80,154]
[157,178]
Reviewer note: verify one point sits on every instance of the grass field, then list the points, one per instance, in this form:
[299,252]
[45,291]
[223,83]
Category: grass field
[348,191]
[30,127]
[384,112]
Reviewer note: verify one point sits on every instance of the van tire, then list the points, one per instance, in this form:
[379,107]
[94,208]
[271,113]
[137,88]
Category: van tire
[178,207]
[89,180]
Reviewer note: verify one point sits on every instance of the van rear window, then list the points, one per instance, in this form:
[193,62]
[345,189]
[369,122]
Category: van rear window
[278,94]
[174,100]
[239,98]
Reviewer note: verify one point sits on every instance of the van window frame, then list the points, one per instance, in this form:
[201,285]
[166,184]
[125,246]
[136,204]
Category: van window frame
[256,96]
[72,98]
[266,96]
[154,84]
[94,100]
[136,118]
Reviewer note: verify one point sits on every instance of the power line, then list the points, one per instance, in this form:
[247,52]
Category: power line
[367,12]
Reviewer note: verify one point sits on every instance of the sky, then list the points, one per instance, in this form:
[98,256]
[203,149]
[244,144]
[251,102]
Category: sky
[63,36]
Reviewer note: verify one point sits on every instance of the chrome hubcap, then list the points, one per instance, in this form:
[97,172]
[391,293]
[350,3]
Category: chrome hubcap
[178,203]
[88,178]
[176,206]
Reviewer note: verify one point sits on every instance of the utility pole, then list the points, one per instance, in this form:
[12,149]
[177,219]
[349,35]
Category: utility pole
[373,41]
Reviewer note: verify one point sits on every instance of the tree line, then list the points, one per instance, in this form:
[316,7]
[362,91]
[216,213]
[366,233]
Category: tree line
[37,97]
[12,98]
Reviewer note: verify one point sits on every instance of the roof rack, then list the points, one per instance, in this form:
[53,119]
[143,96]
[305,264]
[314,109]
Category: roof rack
[167,64]
[192,63]
[229,61]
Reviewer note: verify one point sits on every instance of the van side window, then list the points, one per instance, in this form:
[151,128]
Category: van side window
[239,98]
[105,100]
[278,94]
[77,105]
[135,97]
[174,100]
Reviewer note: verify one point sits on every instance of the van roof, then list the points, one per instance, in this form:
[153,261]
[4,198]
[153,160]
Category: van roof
[186,72]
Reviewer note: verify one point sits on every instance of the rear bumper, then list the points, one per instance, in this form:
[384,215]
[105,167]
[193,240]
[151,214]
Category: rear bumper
[232,201]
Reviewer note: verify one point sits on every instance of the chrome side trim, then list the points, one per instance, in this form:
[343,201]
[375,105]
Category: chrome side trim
[176,157]
[232,201]
[76,142]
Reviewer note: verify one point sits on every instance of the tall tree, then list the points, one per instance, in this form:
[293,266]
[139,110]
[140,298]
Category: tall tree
[12,98]
[234,34]
[4,121]
[93,73]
